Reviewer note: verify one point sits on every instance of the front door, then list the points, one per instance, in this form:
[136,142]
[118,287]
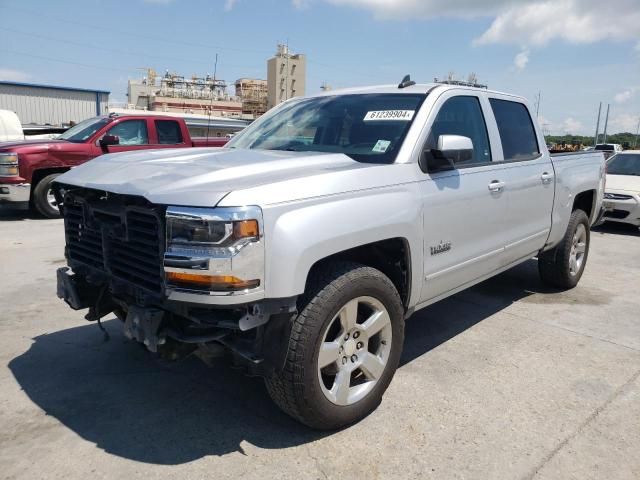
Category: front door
[133,135]
[464,208]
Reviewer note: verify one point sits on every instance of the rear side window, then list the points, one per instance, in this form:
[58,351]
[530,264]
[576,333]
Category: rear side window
[168,132]
[516,130]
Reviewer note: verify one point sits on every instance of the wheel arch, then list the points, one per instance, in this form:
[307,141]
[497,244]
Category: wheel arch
[585,201]
[391,256]
[41,173]
[358,228]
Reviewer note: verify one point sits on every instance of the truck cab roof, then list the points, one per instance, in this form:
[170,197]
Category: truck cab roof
[418,88]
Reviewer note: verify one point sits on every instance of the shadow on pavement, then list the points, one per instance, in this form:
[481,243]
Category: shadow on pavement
[130,404]
[443,320]
[13,215]
[617,228]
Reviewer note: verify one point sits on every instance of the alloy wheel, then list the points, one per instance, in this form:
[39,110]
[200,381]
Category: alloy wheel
[354,350]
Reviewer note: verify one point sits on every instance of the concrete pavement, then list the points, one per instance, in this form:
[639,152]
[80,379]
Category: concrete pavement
[507,380]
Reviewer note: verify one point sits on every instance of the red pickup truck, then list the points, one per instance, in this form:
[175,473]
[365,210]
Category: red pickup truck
[27,168]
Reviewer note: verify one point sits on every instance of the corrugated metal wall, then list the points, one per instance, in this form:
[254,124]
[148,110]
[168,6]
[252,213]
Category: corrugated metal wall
[42,105]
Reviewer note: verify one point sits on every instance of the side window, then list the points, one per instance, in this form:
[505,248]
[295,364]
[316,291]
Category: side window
[516,129]
[131,132]
[463,116]
[168,132]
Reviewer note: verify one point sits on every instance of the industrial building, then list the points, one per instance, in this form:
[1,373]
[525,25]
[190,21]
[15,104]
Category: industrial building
[286,75]
[253,95]
[52,105]
[174,93]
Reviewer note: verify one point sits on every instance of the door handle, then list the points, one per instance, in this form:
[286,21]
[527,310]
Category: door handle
[496,186]
[546,177]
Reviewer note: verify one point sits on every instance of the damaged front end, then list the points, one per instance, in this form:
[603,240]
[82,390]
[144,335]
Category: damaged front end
[182,280]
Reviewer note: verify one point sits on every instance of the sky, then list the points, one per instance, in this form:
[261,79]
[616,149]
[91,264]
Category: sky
[574,53]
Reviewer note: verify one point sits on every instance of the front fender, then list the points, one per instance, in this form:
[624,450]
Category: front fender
[300,234]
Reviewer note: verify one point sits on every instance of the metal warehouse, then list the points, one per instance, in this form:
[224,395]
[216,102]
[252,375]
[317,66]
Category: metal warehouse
[50,104]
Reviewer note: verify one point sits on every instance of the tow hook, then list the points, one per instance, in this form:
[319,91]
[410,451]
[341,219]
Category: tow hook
[143,324]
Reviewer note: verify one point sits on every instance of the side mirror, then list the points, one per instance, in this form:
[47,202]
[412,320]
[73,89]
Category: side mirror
[451,149]
[109,140]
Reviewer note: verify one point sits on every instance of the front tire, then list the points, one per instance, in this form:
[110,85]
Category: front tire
[563,265]
[43,198]
[344,348]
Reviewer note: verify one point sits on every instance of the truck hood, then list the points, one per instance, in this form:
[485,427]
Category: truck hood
[6,146]
[203,176]
[623,183]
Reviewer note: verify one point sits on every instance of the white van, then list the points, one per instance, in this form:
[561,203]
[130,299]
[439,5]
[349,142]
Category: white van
[10,127]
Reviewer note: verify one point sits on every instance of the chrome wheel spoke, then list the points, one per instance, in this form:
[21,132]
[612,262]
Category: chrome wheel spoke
[51,199]
[328,353]
[581,247]
[376,322]
[349,315]
[351,349]
[372,366]
[340,389]
[573,264]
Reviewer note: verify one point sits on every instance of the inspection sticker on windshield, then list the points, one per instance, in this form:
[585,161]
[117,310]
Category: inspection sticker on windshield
[381,146]
[382,115]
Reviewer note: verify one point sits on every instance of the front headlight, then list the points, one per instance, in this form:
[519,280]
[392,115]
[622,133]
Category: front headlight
[8,164]
[214,249]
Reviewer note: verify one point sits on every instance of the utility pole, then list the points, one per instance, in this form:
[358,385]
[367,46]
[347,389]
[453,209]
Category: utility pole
[606,122]
[595,138]
[538,100]
[286,82]
[635,140]
[215,71]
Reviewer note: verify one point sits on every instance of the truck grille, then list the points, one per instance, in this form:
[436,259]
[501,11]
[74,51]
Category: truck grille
[123,241]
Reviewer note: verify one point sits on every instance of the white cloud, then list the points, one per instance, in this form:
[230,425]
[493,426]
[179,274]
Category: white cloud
[301,4]
[10,75]
[575,21]
[571,125]
[523,22]
[521,60]
[546,125]
[625,95]
[623,122]
[229,4]
[158,2]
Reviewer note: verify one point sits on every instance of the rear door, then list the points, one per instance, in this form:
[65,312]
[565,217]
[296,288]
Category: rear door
[168,134]
[529,176]
[464,208]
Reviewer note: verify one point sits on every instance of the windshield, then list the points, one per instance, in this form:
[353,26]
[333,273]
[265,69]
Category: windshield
[624,164]
[81,132]
[366,127]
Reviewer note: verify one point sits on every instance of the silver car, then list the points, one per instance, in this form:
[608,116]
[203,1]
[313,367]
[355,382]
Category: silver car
[622,192]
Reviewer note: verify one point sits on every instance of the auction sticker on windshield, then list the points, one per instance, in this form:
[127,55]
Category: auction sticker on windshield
[381,146]
[382,115]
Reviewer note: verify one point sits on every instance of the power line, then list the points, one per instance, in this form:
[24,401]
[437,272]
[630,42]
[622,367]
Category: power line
[68,62]
[100,47]
[172,41]
[111,30]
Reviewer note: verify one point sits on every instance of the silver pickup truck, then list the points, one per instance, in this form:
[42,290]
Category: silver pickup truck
[301,248]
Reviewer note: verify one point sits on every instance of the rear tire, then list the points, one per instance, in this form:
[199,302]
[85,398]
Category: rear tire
[334,376]
[43,199]
[563,265]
